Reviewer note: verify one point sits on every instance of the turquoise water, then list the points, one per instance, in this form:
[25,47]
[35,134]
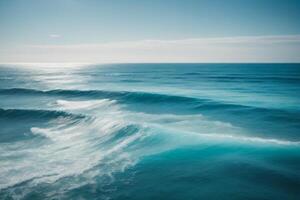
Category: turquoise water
[150,131]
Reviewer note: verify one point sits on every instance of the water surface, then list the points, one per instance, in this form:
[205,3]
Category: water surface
[150,131]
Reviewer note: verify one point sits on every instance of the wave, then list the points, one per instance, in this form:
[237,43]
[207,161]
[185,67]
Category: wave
[89,148]
[121,95]
[127,97]
[71,151]
[36,114]
[248,140]
[78,105]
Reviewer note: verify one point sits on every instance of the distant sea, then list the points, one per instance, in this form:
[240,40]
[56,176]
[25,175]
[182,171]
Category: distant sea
[150,131]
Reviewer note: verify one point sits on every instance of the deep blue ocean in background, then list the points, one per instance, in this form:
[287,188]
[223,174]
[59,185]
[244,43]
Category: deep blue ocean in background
[150,131]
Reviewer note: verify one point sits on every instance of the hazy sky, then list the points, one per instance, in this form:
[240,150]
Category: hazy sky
[149,31]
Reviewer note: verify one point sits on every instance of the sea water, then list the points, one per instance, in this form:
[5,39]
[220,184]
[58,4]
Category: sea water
[150,131]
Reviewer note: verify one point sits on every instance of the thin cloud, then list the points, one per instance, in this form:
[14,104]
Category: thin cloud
[257,40]
[54,36]
[282,48]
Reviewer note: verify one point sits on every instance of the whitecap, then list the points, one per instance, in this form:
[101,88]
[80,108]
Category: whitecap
[90,104]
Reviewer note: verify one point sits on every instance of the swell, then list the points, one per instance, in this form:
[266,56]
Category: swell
[121,95]
[262,78]
[196,104]
[35,114]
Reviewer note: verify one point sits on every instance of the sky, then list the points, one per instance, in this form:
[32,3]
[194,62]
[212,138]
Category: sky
[96,31]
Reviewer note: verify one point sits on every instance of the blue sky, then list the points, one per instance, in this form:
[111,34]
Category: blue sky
[33,30]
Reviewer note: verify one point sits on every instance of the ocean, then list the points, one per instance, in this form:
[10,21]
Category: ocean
[150,131]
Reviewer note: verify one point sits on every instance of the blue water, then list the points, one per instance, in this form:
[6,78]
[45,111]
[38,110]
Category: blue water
[150,131]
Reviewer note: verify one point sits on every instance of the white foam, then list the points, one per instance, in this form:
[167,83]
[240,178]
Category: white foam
[213,130]
[247,139]
[68,149]
[91,104]
[184,123]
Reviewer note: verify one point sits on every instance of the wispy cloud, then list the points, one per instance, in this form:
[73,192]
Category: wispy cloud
[54,36]
[284,48]
[191,42]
